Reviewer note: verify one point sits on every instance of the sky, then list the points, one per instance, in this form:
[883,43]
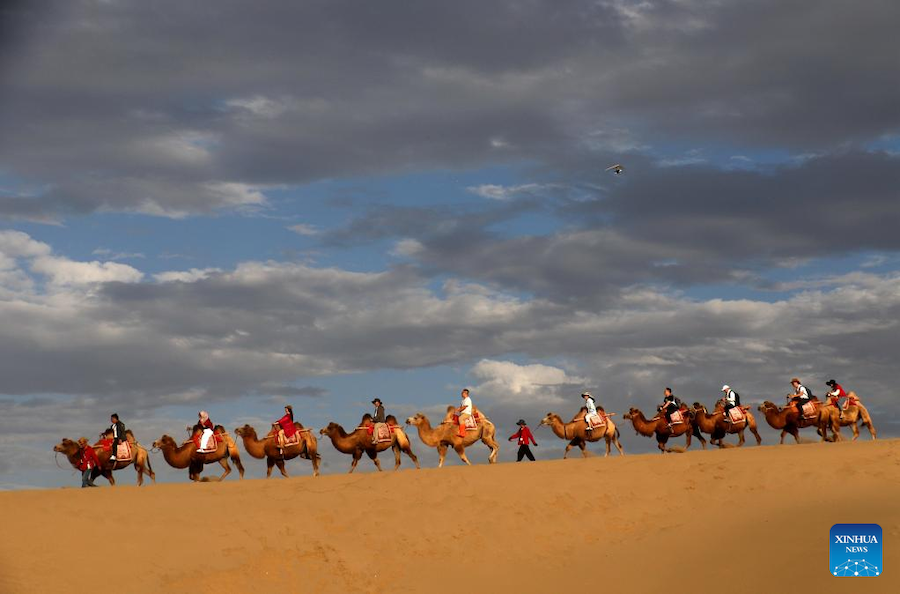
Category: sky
[230,206]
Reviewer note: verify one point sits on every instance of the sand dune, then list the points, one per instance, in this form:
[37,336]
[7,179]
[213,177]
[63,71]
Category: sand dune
[715,521]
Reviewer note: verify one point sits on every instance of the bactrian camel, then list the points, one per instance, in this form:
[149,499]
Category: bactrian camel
[717,427]
[446,434]
[577,434]
[788,419]
[854,413]
[140,458]
[657,426]
[360,441]
[187,456]
[267,448]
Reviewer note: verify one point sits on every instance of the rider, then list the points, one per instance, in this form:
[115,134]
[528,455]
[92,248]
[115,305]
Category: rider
[591,409]
[464,411]
[669,405]
[207,427]
[731,399]
[837,392]
[378,416]
[800,395]
[286,428]
[118,433]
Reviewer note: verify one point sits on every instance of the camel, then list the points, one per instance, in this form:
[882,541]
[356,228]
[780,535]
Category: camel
[717,427]
[447,435]
[787,419]
[267,448]
[140,459]
[854,413]
[658,426]
[360,441]
[576,432]
[186,455]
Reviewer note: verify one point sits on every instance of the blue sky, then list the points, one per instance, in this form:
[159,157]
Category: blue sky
[359,201]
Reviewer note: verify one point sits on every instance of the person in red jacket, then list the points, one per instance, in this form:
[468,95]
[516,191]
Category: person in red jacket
[207,425]
[837,392]
[87,463]
[286,428]
[523,436]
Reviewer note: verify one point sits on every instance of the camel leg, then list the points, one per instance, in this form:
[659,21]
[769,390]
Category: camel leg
[409,452]
[280,465]
[108,475]
[495,449]
[442,453]
[755,433]
[608,439]
[696,432]
[373,455]
[461,452]
[224,464]
[314,458]
[356,456]
[618,444]
[236,458]
[568,447]
[583,446]
[270,464]
[396,448]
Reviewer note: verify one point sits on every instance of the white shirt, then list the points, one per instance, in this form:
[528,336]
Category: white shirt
[591,407]
[466,406]
[801,391]
[729,396]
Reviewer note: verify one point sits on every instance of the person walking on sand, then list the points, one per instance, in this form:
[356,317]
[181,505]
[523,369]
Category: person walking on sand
[118,432]
[523,435]
[87,462]
[464,411]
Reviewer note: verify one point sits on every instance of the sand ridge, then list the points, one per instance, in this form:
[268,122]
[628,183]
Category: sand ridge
[550,526]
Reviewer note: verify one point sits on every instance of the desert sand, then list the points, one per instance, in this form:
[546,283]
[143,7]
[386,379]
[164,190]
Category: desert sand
[755,519]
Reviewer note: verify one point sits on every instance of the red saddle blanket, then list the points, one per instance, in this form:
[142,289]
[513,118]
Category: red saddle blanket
[212,446]
[381,433]
[809,410]
[737,414]
[597,420]
[123,452]
[676,417]
[471,422]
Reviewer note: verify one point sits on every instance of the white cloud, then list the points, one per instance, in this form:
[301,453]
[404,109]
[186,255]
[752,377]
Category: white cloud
[506,381]
[62,271]
[305,229]
[497,192]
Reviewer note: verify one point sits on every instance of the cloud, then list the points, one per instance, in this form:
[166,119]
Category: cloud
[305,229]
[503,382]
[475,85]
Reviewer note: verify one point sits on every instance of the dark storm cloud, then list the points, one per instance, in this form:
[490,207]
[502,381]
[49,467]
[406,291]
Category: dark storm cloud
[141,106]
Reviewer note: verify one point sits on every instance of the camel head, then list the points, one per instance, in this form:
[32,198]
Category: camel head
[245,431]
[549,418]
[331,428]
[66,446]
[416,419]
[767,406]
[164,442]
[632,413]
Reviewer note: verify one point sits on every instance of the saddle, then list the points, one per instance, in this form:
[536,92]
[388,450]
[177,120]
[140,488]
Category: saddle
[596,420]
[471,422]
[381,433]
[123,452]
[810,410]
[676,417]
[211,446]
[737,414]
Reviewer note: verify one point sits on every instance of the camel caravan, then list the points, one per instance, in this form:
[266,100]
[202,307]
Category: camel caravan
[461,427]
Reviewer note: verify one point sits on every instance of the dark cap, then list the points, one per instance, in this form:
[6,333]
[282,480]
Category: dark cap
[830,383]
[520,422]
[378,400]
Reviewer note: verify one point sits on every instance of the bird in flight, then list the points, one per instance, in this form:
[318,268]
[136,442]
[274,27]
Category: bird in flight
[617,168]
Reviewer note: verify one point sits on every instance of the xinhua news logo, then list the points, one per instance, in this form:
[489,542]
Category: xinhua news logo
[855,550]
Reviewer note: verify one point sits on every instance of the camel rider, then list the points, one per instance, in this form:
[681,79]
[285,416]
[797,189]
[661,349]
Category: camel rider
[837,392]
[464,411]
[207,427]
[669,405]
[118,434]
[591,409]
[800,396]
[731,399]
[378,416]
[286,428]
